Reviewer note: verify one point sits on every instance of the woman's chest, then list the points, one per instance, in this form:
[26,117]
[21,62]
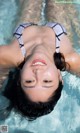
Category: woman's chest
[41,36]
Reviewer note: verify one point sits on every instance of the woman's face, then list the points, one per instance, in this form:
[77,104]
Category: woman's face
[40,77]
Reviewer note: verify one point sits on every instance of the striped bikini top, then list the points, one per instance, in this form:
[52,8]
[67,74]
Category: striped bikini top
[57,28]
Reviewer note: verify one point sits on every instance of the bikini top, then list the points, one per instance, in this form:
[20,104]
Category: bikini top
[57,28]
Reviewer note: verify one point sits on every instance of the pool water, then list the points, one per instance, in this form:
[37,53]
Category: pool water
[8,12]
[65,118]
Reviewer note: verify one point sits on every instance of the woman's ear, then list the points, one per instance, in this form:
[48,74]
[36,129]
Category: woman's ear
[60,76]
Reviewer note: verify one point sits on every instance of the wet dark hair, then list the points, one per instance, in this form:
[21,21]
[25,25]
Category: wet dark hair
[22,103]
[60,61]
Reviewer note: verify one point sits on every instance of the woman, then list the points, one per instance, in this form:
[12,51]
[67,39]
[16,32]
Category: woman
[38,54]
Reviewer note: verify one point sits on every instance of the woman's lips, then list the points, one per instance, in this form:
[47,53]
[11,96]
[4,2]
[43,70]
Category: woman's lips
[38,62]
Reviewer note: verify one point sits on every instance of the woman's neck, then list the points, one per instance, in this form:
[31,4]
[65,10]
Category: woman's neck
[43,49]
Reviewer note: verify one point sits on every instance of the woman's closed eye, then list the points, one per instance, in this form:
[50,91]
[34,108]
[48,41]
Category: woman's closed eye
[32,81]
[45,83]
[29,82]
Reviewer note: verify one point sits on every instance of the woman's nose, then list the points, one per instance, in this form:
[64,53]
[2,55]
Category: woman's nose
[38,74]
[38,69]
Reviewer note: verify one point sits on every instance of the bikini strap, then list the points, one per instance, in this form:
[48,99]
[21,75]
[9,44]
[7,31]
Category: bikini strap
[58,28]
[59,32]
[18,34]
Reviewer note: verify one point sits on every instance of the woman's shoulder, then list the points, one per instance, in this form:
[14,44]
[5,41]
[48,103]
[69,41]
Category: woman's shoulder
[66,46]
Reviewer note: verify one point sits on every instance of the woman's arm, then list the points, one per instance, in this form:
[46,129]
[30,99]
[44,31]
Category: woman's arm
[30,11]
[71,56]
[10,55]
[73,59]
